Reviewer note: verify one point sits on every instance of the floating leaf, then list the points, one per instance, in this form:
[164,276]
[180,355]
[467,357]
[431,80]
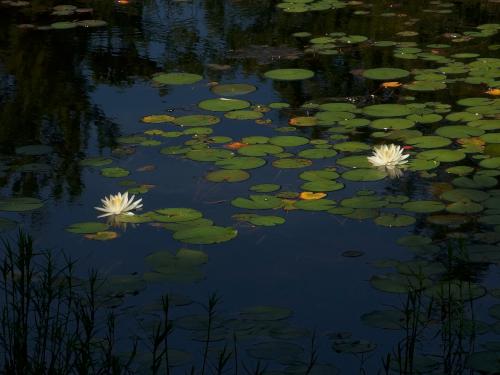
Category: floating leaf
[157,119]
[176,78]
[362,174]
[233,89]
[265,188]
[102,236]
[87,227]
[206,235]
[229,175]
[290,163]
[114,172]
[223,104]
[175,215]
[20,204]
[258,202]
[386,110]
[390,220]
[289,74]
[34,150]
[385,73]
[197,120]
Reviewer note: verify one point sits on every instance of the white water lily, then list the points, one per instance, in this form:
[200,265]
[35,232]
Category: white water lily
[119,205]
[388,156]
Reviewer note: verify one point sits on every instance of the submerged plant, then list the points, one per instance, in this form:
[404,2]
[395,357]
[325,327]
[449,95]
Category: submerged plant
[119,204]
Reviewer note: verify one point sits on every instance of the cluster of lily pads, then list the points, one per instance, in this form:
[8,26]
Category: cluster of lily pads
[188,225]
[433,133]
[60,13]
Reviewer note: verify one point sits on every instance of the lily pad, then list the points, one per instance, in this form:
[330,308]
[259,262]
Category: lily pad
[289,74]
[87,227]
[291,163]
[363,174]
[233,89]
[206,235]
[391,220]
[386,110]
[176,215]
[385,73]
[258,202]
[197,120]
[176,78]
[228,175]
[223,104]
[20,204]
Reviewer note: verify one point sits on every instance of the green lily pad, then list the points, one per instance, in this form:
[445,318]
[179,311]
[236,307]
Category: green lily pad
[363,174]
[364,202]
[423,206]
[355,161]
[260,220]
[87,227]
[176,78]
[206,235]
[457,195]
[441,155]
[233,89]
[317,153]
[258,202]
[175,215]
[291,163]
[241,162]
[243,115]
[429,141]
[63,25]
[322,185]
[197,120]
[425,86]
[390,220]
[386,110]
[316,175]
[459,131]
[20,204]
[289,74]
[96,162]
[392,123]
[223,104]
[288,141]
[228,175]
[385,73]
[315,205]
[34,150]
[209,154]
[114,172]
[352,146]
[265,188]
[464,207]
[260,150]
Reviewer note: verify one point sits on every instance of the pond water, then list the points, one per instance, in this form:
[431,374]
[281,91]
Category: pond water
[220,115]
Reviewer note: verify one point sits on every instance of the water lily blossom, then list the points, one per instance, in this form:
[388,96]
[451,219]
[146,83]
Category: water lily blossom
[119,205]
[388,156]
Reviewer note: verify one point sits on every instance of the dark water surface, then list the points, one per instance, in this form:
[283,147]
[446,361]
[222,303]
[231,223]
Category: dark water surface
[81,90]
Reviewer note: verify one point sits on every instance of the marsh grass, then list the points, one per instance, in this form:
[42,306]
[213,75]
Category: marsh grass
[52,322]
